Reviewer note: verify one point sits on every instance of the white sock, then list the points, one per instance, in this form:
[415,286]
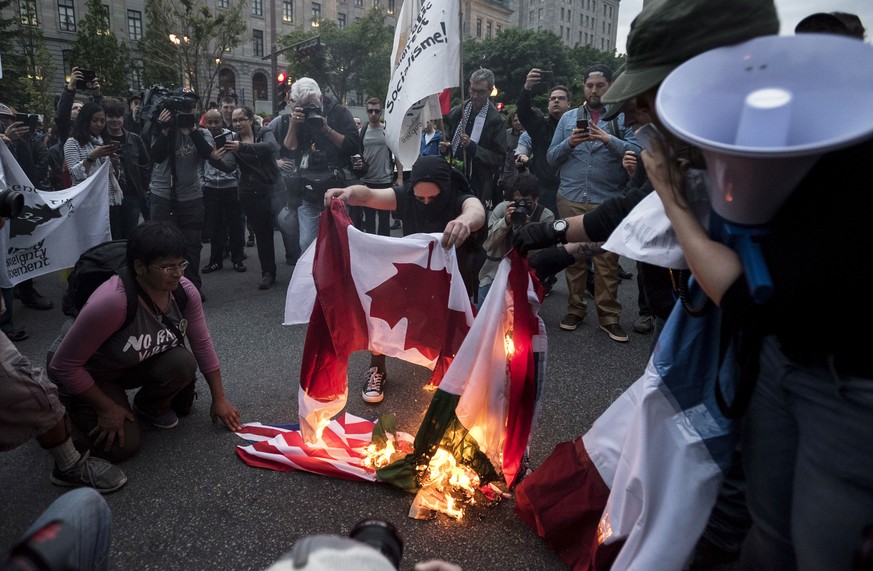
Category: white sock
[66,456]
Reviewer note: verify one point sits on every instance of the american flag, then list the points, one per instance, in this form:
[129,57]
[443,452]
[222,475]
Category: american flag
[338,454]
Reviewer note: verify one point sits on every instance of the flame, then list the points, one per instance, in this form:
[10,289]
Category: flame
[508,345]
[447,487]
[375,457]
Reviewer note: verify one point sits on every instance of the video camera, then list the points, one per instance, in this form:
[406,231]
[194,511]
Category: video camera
[522,212]
[11,203]
[179,101]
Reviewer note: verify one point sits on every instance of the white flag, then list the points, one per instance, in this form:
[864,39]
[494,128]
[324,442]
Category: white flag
[55,227]
[425,60]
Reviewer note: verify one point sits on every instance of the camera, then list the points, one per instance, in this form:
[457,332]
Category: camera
[158,98]
[371,544]
[523,210]
[312,117]
[11,203]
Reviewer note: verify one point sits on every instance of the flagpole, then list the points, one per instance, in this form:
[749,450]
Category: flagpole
[461,74]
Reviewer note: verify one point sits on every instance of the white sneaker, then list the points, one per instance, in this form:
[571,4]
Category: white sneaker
[374,391]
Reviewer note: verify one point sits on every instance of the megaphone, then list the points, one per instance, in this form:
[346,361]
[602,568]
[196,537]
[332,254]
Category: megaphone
[763,112]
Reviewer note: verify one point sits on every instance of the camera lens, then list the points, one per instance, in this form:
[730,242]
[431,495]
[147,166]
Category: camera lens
[11,203]
[382,536]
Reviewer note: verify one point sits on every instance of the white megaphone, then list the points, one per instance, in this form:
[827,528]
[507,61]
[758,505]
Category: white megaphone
[763,112]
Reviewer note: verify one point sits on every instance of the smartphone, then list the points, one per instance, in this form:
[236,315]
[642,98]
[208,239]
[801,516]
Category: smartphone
[547,76]
[87,81]
[28,119]
[220,140]
[185,120]
[582,124]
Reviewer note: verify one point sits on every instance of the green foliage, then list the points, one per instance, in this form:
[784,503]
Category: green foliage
[97,48]
[27,66]
[355,58]
[514,52]
[203,36]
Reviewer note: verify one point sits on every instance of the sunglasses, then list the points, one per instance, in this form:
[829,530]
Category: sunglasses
[376,111]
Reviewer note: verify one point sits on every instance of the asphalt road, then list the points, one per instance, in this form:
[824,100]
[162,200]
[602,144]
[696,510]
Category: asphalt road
[191,504]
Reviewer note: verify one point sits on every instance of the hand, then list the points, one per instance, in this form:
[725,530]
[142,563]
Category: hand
[343,194]
[285,165]
[534,236]
[358,163]
[550,261]
[103,151]
[218,153]
[221,409]
[579,136]
[16,131]
[521,159]
[510,208]
[95,85]
[595,133]
[75,76]
[297,117]
[533,79]
[110,425]
[455,233]
[164,120]
[231,146]
[665,175]
[465,140]
[629,162]
[445,147]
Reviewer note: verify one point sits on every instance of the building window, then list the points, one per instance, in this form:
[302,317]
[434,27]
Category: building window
[391,6]
[316,13]
[478,27]
[259,86]
[257,7]
[341,20]
[258,42]
[530,19]
[375,2]
[105,15]
[223,4]
[488,29]
[499,29]
[66,16]
[134,24]
[136,75]
[287,10]
[66,55]
[27,11]
[359,2]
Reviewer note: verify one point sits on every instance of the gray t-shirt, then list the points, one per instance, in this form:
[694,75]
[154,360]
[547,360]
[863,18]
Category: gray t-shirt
[189,167]
[378,156]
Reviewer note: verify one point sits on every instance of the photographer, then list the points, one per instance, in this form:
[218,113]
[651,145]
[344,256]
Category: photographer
[70,103]
[322,138]
[178,150]
[523,207]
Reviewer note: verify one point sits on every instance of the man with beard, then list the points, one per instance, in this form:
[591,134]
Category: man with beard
[588,152]
[322,137]
[437,199]
[476,138]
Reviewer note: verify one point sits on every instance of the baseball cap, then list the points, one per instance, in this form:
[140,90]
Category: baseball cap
[598,69]
[669,32]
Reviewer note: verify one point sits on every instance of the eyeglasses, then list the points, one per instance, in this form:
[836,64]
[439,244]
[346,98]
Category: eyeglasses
[171,268]
[376,111]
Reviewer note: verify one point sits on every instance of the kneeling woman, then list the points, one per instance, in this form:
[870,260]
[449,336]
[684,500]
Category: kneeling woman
[98,360]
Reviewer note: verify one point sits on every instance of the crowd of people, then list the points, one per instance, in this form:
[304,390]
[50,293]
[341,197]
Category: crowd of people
[552,183]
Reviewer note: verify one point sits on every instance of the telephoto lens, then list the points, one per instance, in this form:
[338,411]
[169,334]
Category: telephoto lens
[382,536]
[11,203]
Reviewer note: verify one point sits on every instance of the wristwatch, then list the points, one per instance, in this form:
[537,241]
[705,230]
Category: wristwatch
[560,228]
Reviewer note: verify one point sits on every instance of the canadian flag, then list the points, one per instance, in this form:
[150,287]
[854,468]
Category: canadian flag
[358,281]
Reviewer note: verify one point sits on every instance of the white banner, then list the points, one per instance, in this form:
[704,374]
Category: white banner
[425,60]
[55,227]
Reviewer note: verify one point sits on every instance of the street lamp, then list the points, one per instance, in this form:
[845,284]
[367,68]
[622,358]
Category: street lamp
[178,42]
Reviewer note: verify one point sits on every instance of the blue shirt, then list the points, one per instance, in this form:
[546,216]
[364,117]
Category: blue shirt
[591,172]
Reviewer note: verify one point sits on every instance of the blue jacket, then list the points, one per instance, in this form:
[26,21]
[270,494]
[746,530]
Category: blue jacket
[591,172]
[432,148]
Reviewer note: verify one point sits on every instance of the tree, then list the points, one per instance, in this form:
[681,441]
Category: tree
[97,48]
[27,64]
[187,40]
[355,58]
[514,52]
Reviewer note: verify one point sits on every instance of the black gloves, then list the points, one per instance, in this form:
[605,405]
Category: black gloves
[534,236]
[550,261]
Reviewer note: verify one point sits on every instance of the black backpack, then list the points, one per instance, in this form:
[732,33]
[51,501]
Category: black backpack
[98,264]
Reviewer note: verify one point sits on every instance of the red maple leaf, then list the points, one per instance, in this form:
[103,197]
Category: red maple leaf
[420,295]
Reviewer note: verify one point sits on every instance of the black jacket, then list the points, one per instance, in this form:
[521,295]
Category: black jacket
[541,128]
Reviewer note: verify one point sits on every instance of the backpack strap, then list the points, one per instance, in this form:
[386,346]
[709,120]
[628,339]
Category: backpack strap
[131,292]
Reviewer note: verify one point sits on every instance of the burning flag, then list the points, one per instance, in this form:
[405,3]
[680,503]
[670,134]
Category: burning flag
[484,410]
[404,298]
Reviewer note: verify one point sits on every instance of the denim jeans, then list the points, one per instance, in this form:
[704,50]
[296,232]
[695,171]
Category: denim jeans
[806,450]
[308,214]
[89,518]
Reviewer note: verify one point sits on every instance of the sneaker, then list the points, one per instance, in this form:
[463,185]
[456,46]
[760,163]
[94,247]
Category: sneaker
[548,284]
[90,472]
[267,281]
[645,324]
[164,421]
[213,267]
[251,241]
[615,332]
[571,321]
[396,225]
[375,389]
[623,274]
[239,267]
[33,299]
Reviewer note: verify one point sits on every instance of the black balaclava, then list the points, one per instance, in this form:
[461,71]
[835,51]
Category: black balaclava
[433,169]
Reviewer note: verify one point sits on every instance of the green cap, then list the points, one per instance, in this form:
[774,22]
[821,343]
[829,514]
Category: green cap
[667,33]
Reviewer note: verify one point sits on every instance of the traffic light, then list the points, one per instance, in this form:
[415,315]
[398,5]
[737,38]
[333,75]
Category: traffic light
[281,83]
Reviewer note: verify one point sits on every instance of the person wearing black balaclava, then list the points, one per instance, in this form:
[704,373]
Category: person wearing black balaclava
[437,199]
